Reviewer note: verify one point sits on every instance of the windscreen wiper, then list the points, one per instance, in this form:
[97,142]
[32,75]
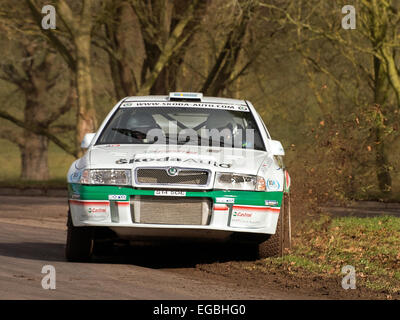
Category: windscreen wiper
[130,133]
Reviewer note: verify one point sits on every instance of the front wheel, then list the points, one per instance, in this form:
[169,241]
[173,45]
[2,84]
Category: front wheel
[277,244]
[79,247]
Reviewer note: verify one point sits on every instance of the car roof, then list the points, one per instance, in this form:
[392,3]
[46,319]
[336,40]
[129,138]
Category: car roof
[203,99]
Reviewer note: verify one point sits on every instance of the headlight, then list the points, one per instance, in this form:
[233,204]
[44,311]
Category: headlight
[233,181]
[106,177]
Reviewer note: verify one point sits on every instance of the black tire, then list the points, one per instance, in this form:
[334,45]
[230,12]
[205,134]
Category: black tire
[103,248]
[79,247]
[280,242]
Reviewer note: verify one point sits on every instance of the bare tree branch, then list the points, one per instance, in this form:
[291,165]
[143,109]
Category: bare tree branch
[65,53]
[38,130]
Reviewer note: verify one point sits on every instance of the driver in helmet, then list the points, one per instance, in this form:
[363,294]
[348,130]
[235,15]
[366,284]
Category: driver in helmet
[140,124]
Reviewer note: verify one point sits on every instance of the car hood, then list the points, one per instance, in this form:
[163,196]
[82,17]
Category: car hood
[244,161]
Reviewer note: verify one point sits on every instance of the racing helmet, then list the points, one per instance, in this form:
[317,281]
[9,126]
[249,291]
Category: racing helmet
[141,123]
[141,120]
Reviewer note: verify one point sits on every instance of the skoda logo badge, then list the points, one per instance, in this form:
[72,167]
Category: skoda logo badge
[172,171]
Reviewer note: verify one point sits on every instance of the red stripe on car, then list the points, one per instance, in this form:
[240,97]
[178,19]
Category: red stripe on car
[123,204]
[256,208]
[89,203]
[222,207]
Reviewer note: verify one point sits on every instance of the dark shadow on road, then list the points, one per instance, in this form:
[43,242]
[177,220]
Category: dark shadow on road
[33,250]
[186,255]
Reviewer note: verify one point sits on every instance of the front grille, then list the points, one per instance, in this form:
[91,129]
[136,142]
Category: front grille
[161,176]
[171,210]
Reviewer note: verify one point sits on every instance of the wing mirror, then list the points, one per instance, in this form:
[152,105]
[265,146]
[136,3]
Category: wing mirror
[276,148]
[87,140]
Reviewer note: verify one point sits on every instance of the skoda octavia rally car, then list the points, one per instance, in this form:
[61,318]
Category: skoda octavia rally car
[180,167]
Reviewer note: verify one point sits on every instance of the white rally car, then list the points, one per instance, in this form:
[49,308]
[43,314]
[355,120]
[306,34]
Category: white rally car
[181,167]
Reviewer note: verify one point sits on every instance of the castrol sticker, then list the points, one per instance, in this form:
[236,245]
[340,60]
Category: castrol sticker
[96,212]
[248,217]
[91,210]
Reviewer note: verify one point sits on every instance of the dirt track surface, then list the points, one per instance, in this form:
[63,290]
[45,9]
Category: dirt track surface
[33,233]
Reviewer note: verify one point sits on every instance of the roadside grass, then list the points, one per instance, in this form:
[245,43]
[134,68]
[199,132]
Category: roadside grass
[322,247]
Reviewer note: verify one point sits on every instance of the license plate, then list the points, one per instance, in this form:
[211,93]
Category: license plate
[170,193]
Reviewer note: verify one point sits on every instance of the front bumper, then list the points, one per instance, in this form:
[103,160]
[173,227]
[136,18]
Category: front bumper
[231,212]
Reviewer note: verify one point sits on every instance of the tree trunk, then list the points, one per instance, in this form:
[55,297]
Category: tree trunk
[152,55]
[161,84]
[122,73]
[34,150]
[34,153]
[381,159]
[86,115]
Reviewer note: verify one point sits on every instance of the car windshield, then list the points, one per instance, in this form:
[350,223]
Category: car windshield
[183,125]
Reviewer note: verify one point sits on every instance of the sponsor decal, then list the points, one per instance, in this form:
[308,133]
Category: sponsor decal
[76,176]
[170,150]
[242,214]
[225,200]
[248,217]
[185,161]
[90,210]
[155,104]
[170,193]
[96,210]
[271,202]
[273,185]
[117,197]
